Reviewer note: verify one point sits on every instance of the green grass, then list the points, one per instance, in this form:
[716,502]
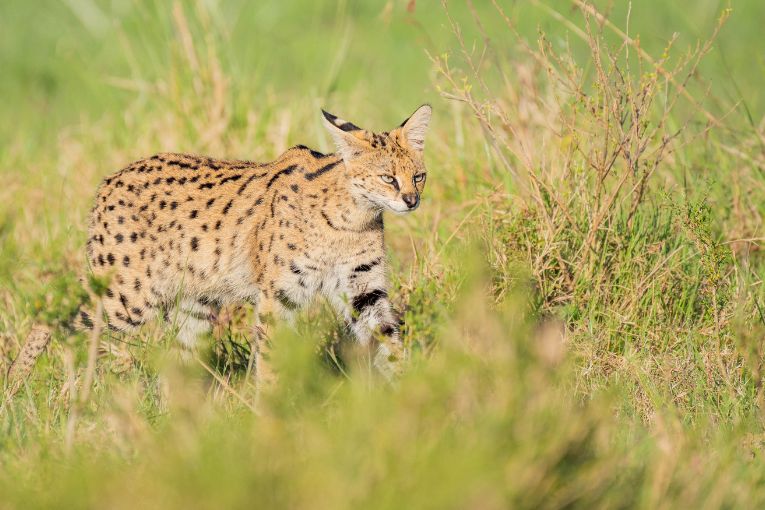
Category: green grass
[552,363]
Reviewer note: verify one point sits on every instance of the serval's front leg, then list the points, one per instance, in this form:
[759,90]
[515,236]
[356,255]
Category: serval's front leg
[363,301]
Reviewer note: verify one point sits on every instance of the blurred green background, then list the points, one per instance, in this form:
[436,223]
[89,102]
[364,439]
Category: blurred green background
[63,61]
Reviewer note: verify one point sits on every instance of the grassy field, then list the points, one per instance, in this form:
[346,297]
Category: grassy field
[582,285]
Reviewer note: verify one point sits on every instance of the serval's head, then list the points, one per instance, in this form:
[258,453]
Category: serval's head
[384,170]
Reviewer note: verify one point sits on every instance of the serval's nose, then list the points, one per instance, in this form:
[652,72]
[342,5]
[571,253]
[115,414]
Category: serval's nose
[411,200]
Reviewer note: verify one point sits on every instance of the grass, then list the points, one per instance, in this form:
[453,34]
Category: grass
[581,288]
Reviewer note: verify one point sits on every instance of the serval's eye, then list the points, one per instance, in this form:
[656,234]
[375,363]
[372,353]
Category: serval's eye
[388,179]
[419,177]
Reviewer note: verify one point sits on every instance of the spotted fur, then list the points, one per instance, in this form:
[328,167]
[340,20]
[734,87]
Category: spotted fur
[180,234]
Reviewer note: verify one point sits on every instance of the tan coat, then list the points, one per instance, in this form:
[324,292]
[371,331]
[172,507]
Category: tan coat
[184,234]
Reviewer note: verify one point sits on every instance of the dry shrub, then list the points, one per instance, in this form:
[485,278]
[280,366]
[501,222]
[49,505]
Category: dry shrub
[583,143]
[593,137]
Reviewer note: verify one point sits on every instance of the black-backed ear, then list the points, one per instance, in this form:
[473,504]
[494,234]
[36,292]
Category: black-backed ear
[348,137]
[415,127]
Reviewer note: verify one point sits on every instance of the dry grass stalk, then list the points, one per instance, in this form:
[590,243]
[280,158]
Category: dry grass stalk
[226,386]
[90,370]
[71,385]
[36,342]
[5,355]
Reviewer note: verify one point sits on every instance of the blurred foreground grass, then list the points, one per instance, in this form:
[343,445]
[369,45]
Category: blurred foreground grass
[567,350]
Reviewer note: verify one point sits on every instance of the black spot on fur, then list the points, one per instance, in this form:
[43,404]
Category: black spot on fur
[314,153]
[228,206]
[194,243]
[85,319]
[280,173]
[126,261]
[284,300]
[364,301]
[230,178]
[248,181]
[208,301]
[366,267]
[326,168]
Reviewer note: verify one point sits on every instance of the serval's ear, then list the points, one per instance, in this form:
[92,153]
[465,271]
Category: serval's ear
[414,128]
[350,139]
